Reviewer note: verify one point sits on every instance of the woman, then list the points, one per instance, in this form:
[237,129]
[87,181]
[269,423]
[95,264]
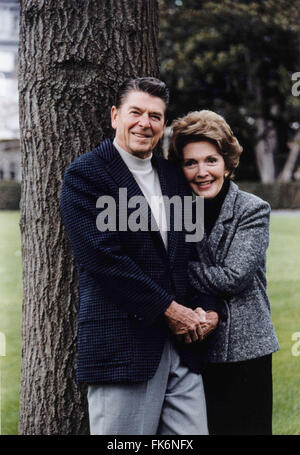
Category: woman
[229,264]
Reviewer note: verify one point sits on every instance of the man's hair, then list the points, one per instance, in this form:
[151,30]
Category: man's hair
[150,85]
[207,126]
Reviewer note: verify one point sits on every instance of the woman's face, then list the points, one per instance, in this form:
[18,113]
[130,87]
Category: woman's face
[204,168]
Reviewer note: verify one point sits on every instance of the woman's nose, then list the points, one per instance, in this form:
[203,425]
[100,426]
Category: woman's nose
[201,170]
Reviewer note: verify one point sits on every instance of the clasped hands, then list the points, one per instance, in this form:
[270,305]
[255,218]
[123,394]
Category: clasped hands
[190,325]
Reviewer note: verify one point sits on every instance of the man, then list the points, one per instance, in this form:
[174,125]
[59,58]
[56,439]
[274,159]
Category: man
[133,283]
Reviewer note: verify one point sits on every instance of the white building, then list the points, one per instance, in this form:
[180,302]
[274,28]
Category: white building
[9,38]
[10,167]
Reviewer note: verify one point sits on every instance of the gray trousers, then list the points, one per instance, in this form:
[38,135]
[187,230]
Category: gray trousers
[170,403]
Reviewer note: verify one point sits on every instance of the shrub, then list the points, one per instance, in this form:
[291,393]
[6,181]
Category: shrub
[280,195]
[10,193]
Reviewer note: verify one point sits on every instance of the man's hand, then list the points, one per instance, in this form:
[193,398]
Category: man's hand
[184,321]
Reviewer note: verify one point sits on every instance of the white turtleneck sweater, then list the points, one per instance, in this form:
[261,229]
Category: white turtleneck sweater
[148,181]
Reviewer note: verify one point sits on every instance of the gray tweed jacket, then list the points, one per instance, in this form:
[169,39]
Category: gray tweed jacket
[232,266]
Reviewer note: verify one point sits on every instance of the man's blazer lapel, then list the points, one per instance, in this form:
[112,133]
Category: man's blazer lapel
[124,179]
[118,169]
[169,188]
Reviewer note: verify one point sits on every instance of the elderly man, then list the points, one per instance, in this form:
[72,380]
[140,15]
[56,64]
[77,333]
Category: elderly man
[133,282]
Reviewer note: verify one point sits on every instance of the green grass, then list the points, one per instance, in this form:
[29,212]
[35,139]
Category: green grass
[284,291]
[283,272]
[10,318]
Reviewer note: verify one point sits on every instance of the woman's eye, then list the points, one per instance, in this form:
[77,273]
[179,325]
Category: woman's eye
[190,163]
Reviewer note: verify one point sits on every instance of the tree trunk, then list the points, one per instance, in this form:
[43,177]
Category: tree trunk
[73,55]
[287,172]
[264,150]
[266,140]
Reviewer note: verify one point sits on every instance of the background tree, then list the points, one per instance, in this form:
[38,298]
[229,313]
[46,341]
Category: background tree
[238,58]
[73,56]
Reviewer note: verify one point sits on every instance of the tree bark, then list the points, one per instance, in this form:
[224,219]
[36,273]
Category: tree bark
[264,150]
[73,55]
[294,149]
[266,141]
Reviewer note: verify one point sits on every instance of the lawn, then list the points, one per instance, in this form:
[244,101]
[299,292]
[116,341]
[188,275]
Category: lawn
[284,292]
[10,319]
[283,273]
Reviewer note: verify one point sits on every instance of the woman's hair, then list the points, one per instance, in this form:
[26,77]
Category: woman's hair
[207,126]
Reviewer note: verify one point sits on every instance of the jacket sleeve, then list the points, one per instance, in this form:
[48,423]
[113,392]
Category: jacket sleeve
[101,253]
[245,254]
[205,300]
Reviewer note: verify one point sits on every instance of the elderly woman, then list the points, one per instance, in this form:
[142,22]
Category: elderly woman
[230,264]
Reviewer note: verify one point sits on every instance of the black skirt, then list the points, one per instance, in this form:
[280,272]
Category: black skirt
[239,397]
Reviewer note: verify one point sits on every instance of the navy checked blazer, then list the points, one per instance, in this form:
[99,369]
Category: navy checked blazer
[126,279]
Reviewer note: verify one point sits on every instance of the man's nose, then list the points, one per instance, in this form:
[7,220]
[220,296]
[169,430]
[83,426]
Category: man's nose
[144,121]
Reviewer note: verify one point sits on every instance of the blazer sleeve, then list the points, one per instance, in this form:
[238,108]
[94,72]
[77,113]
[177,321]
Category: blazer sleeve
[245,254]
[101,253]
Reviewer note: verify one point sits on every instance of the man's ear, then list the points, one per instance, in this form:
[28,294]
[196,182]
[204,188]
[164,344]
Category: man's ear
[113,117]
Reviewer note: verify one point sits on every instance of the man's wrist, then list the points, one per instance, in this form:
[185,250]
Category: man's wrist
[173,306]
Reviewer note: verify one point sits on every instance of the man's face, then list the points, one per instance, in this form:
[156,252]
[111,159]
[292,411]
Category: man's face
[139,123]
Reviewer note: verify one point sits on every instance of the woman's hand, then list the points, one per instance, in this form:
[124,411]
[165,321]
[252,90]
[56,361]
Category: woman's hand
[209,323]
[212,319]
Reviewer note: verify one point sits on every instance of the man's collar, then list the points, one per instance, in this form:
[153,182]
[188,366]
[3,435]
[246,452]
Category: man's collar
[122,151]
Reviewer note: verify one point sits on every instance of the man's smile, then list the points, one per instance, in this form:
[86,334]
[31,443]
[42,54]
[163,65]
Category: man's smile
[142,135]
